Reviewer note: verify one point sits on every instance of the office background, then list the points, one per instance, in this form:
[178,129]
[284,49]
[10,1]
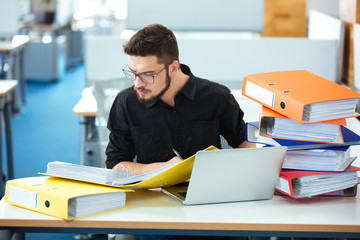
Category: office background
[58,65]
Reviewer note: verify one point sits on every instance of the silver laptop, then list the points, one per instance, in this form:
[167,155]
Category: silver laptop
[231,175]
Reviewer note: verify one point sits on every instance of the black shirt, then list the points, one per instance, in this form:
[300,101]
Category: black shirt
[203,110]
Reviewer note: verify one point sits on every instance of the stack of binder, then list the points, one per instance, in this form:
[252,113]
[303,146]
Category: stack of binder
[306,113]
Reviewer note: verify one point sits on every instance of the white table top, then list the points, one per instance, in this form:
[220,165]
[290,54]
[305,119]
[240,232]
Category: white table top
[155,210]
[87,105]
[7,86]
[17,41]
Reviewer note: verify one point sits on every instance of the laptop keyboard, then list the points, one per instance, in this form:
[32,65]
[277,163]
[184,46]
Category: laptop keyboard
[183,194]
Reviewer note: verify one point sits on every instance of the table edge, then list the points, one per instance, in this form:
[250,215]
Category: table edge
[98,224]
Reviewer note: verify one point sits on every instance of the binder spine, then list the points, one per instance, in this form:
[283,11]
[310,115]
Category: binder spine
[259,94]
[21,197]
[37,200]
[285,186]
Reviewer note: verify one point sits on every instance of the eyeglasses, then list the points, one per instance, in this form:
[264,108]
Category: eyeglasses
[144,77]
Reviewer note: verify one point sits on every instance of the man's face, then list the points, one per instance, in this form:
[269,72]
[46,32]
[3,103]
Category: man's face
[146,92]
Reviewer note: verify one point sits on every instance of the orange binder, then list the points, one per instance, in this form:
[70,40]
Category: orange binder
[268,115]
[288,186]
[291,92]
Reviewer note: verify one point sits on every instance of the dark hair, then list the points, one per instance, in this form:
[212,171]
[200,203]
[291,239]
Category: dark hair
[154,39]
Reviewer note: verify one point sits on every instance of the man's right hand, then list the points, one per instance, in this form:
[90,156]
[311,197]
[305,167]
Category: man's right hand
[175,159]
[140,168]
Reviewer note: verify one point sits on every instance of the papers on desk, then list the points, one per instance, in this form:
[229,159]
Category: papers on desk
[97,203]
[329,110]
[98,175]
[314,184]
[328,159]
[289,129]
[253,135]
[275,125]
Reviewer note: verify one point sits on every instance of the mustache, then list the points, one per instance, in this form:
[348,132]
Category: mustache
[141,89]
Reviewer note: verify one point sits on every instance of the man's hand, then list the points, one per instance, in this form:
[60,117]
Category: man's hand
[140,168]
[175,159]
[246,144]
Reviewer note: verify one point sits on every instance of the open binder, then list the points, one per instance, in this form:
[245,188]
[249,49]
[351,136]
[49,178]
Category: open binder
[162,177]
[98,175]
[301,96]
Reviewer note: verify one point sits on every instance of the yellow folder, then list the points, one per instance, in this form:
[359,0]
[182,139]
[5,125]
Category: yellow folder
[174,175]
[58,196]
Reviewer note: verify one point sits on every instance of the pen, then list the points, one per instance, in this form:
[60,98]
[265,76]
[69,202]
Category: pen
[177,154]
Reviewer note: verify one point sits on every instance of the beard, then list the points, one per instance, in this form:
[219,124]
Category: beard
[153,99]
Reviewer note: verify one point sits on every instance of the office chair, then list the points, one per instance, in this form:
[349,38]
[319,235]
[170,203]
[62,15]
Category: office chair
[105,92]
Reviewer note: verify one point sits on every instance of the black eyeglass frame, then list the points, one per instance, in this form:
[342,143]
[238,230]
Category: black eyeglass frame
[129,74]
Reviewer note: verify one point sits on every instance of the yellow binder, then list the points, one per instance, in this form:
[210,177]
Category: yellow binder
[63,198]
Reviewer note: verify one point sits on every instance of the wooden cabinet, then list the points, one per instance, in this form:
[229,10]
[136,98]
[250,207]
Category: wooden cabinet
[285,18]
[349,13]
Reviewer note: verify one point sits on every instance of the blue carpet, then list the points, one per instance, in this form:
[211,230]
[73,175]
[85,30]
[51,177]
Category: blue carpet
[47,130]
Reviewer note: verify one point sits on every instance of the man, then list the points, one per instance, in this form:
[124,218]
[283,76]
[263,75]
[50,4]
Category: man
[169,114]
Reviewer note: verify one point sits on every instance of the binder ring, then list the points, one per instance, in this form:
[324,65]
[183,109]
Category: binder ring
[282,105]
[128,169]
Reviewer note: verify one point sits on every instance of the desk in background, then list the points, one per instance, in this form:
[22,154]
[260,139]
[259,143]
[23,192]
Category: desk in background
[7,90]
[14,51]
[86,109]
[153,212]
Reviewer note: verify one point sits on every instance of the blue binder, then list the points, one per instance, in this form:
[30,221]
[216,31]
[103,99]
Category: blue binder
[252,128]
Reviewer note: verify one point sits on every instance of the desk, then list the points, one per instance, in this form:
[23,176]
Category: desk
[156,213]
[14,50]
[7,88]
[86,109]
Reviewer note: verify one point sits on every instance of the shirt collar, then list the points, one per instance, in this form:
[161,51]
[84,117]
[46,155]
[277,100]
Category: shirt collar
[189,89]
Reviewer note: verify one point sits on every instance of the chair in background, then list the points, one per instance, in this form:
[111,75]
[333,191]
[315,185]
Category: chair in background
[105,92]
